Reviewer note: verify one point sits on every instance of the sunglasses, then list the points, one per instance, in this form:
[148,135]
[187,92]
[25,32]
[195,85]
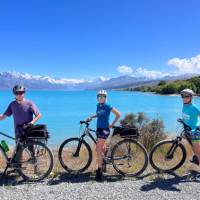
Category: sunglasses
[101,96]
[185,96]
[19,93]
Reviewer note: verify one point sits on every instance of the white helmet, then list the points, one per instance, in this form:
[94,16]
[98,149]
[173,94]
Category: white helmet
[188,92]
[102,92]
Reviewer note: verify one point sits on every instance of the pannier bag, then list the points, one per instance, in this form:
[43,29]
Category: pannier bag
[38,131]
[126,131]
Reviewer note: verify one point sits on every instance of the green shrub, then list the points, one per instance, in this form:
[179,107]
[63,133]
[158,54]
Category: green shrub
[151,131]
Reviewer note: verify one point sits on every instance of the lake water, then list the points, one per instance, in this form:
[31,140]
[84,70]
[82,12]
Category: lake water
[62,110]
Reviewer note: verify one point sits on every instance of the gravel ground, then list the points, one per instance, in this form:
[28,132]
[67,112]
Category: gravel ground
[85,187]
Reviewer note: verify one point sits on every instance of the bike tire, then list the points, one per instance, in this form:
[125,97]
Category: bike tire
[136,145]
[153,153]
[39,149]
[66,166]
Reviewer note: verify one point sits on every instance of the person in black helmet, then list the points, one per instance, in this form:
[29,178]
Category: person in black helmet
[24,111]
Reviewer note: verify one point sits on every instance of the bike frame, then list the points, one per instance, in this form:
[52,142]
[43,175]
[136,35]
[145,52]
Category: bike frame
[87,132]
[184,135]
[5,156]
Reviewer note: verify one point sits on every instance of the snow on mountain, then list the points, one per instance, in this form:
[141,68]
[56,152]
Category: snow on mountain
[8,79]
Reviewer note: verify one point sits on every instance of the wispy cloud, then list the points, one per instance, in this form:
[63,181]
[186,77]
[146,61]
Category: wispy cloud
[186,65]
[151,74]
[125,70]
[181,65]
[141,72]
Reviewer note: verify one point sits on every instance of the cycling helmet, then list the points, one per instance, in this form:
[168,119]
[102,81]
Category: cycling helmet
[188,92]
[102,93]
[19,89]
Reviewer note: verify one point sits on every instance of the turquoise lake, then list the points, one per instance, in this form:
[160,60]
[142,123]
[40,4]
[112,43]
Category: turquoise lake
[62,110]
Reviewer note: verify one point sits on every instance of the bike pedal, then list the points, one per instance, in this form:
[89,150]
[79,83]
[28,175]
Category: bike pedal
[195,160]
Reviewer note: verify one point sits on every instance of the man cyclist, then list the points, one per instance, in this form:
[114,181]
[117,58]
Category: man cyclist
[190,115]
[22,110]
[103,128]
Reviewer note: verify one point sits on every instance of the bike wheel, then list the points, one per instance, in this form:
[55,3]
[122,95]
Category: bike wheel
[35,160]
[129,157]
[162,159]
[75,156]
[3,163]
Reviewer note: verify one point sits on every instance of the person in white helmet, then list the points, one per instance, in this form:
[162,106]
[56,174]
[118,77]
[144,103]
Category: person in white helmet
[190,116]
[103,127]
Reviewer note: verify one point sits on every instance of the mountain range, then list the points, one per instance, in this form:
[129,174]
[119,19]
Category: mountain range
[8,79]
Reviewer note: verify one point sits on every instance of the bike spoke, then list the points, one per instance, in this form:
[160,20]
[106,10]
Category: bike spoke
[167,156]
[74,158]
[129,158]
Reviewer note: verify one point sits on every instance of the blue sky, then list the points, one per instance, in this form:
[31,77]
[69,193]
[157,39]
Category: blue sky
[92,38]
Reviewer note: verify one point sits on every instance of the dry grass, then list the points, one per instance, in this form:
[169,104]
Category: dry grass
[110,170]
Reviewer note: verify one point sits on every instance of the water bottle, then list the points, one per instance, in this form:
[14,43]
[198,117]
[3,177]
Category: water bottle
[4,146]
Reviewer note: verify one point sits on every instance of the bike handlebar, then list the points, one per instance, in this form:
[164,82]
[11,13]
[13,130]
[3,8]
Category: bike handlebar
[85,122]
[186,127]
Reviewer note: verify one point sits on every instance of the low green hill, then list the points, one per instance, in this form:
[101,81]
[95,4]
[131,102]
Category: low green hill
[172,87]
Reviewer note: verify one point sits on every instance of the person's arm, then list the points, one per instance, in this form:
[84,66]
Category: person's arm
[36,118]
[7,113]
[36,113]
[91,117]
[2,117]
[117,116]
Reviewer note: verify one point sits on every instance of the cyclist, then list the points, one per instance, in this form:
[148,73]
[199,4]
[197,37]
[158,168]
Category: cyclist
[190,115]
[22,110]
[103,128]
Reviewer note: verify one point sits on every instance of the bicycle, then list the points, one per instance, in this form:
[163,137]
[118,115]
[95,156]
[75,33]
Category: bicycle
[31,157]
[169,155]
[128,156]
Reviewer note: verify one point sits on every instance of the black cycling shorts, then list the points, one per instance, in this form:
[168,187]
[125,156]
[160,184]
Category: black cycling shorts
[103,133]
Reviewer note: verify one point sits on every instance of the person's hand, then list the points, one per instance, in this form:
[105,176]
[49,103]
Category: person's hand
[27,126]
[89,119]
[1,117]
[111,126]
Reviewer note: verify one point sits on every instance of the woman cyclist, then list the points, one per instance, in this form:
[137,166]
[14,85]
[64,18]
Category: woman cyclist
[103,127]
[190,115]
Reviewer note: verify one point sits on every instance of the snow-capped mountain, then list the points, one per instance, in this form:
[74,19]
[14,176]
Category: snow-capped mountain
[8,79]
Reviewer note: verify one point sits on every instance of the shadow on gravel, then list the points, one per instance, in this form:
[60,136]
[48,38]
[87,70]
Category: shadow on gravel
[10,179]
[81,178]
[168,184]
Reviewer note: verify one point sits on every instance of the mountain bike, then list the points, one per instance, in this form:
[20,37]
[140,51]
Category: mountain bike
[128,156]
[30,157]
[169,155]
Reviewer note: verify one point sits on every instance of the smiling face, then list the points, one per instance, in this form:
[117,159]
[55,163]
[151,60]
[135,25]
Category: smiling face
[101,99]
[19,96]
[186,99]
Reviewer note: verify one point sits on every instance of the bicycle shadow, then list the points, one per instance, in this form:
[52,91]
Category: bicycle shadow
[82,178]
[168,184]
[11,179]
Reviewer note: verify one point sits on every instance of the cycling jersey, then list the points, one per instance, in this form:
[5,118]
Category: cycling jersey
[22,113]
[103,115]
[190,115]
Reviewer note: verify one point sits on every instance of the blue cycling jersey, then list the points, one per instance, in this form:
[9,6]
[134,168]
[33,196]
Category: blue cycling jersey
[103,115]
[190,115]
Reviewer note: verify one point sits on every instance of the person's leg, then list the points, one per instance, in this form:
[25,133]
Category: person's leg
[100,149]
[196,149]
[196,145]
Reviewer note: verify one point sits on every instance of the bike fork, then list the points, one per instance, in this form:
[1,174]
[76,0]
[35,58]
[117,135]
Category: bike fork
[4,172]
[170,153]
[76,154]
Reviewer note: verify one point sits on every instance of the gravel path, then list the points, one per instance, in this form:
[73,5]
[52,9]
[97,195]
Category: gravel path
[84,187]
